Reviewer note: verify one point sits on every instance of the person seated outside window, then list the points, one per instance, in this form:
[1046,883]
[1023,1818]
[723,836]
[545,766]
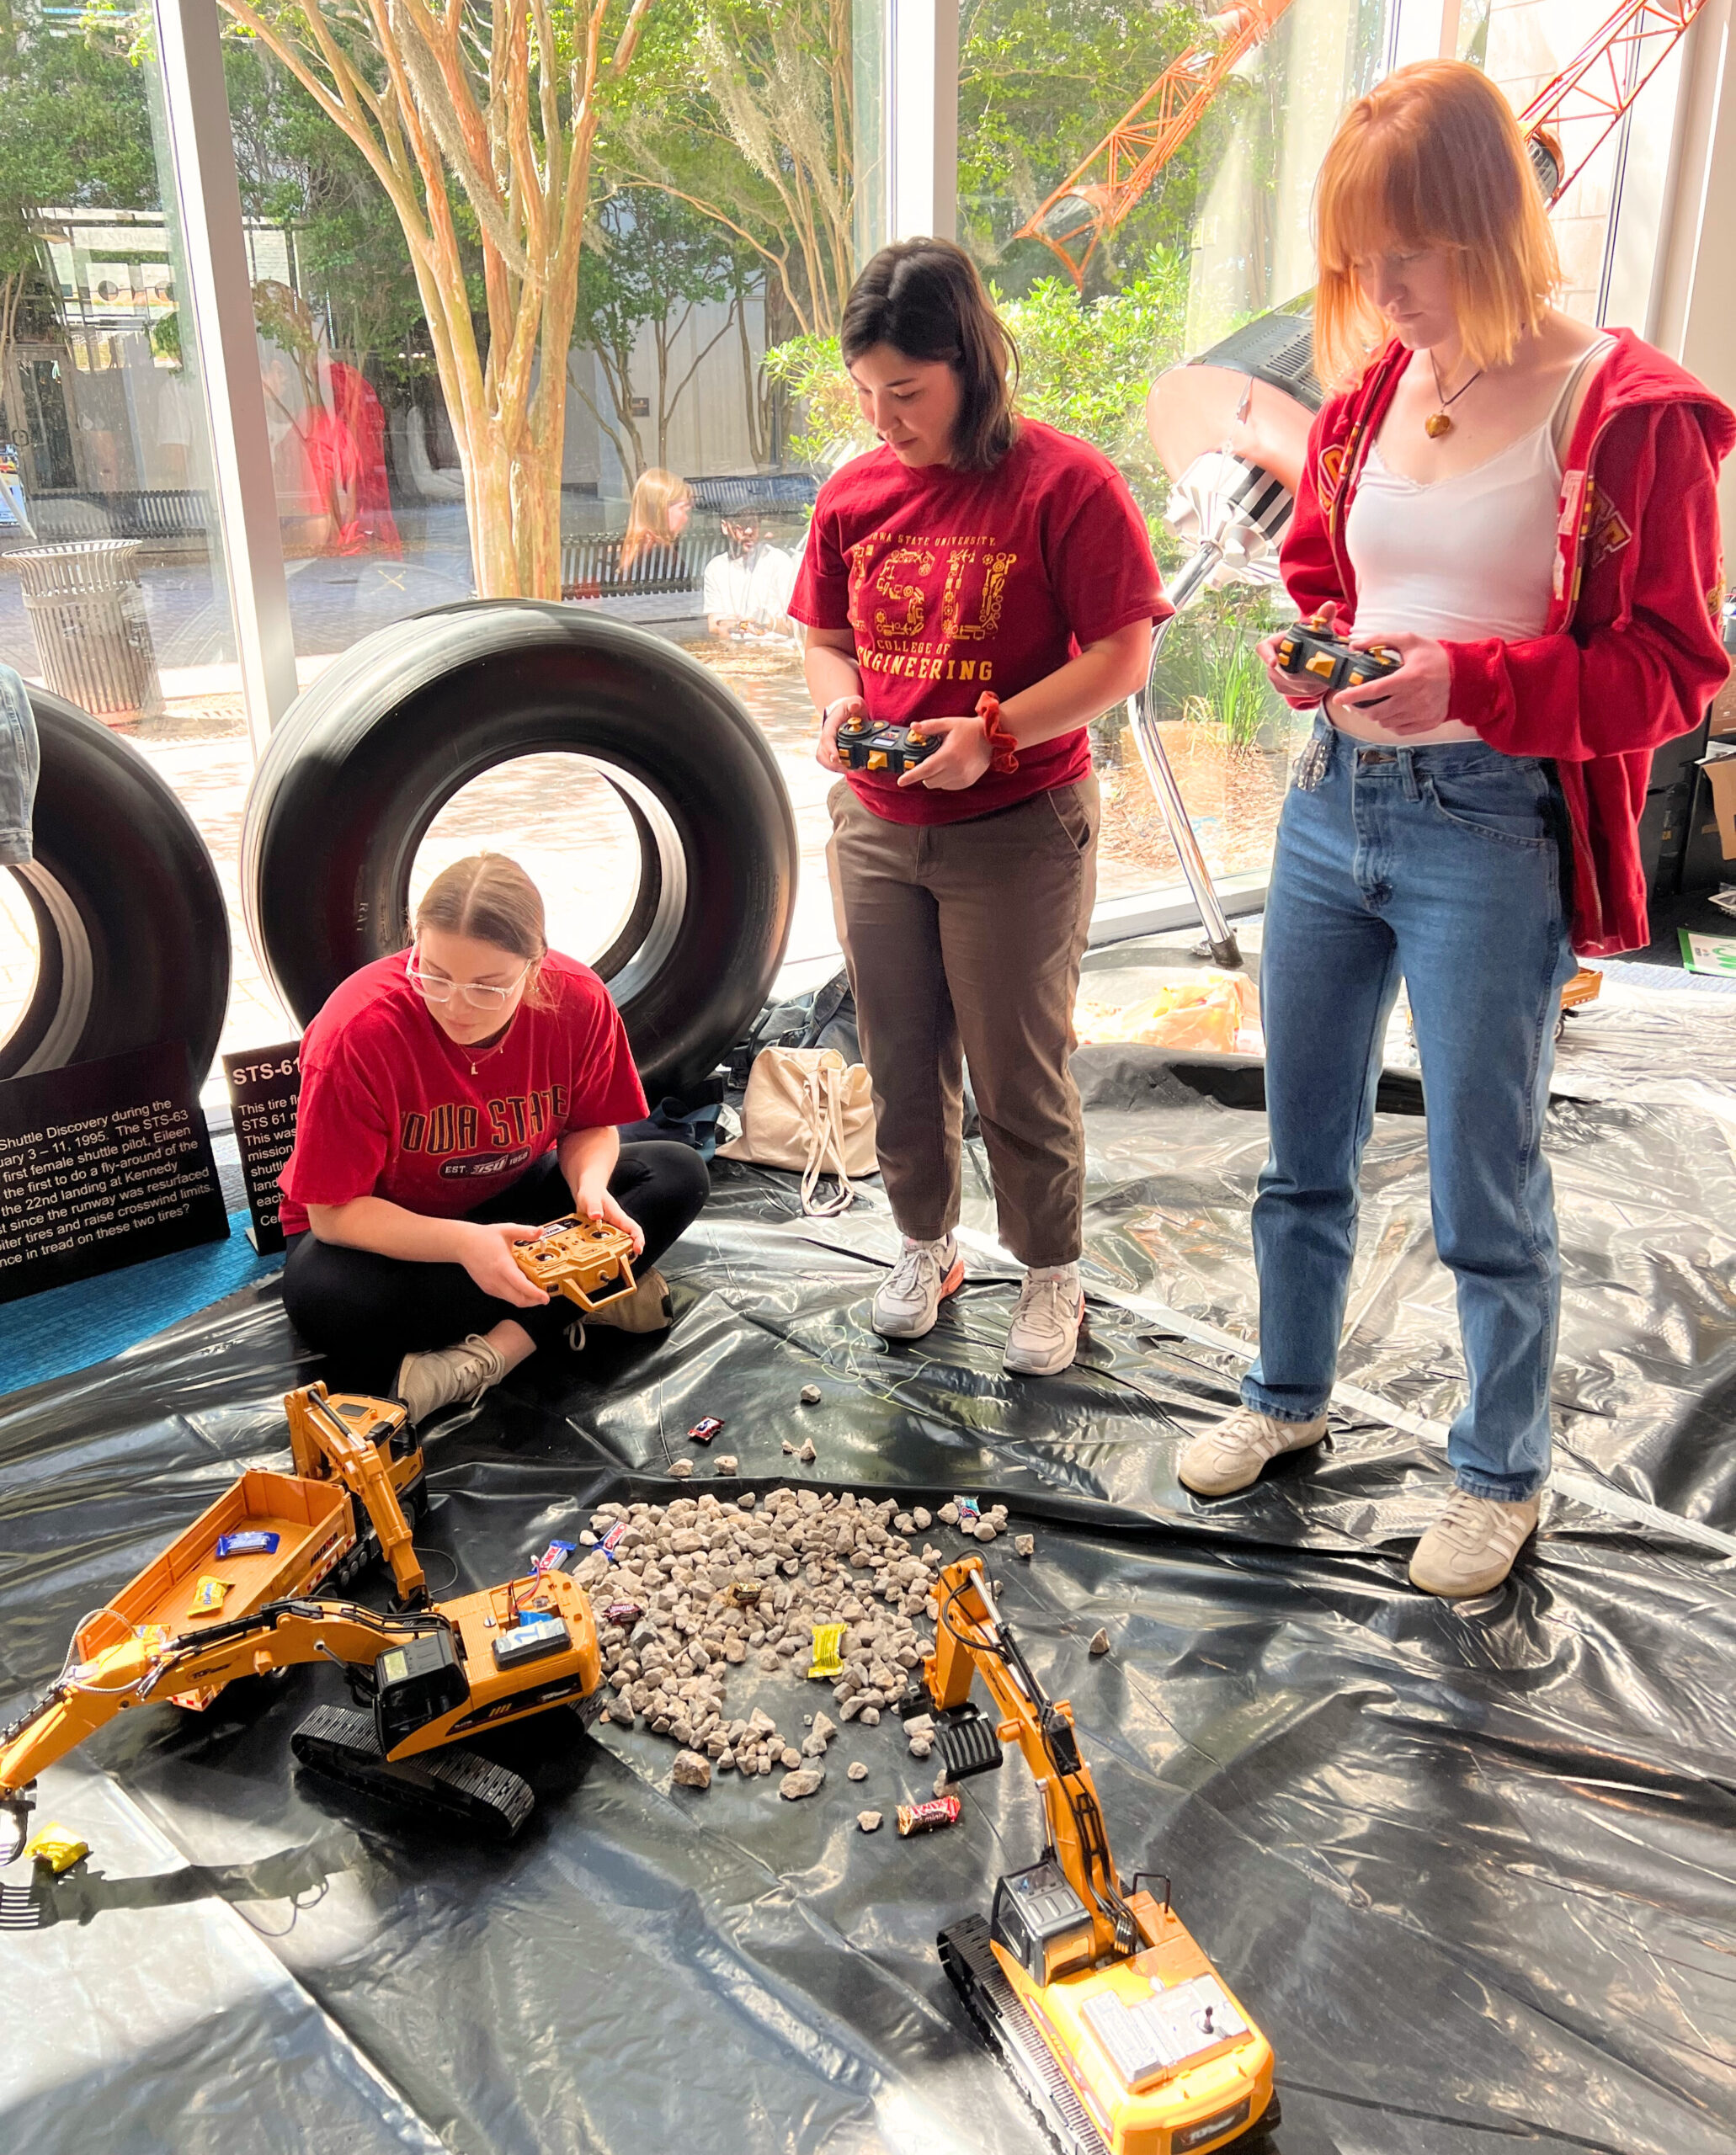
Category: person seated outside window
[662,503]
[748,588]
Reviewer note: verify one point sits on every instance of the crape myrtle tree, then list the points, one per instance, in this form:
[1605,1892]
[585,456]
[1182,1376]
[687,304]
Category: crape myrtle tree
[479,119]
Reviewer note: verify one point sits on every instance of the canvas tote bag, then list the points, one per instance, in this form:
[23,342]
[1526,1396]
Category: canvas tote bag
[806,1108]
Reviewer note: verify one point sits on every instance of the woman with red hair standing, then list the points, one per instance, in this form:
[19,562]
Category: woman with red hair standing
[1525,509]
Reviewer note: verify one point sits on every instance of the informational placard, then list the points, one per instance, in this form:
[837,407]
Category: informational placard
[101,1165]
[265,1085]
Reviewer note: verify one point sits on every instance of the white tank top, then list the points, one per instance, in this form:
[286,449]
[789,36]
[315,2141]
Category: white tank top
[1463,558]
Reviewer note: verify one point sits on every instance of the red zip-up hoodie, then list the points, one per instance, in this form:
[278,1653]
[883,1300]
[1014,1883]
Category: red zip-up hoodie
[1629,655]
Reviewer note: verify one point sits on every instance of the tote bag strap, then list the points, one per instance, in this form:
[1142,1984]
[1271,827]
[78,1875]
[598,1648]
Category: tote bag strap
[825,1099]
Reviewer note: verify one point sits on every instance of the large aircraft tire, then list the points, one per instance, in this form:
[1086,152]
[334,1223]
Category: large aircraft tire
[131,931]
[367,758]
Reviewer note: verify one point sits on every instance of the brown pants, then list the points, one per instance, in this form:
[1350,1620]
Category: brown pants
[966,937]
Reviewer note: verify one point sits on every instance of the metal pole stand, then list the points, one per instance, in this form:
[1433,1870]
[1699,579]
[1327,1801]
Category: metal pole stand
[1220,940]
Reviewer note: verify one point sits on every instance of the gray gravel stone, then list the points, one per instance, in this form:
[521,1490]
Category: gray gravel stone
[856,1770]
[868,1821]
[681,1468]
[1100,1642]
[691,1770]
[1025,1544]
[811,1395]
[806,1782]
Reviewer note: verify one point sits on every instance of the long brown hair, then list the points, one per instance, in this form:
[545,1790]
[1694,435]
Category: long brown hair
[490,899]
[924,298]
[1432,158]
[655,494]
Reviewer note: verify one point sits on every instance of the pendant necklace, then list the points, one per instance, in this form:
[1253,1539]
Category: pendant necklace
[1437,424]
[473,1060]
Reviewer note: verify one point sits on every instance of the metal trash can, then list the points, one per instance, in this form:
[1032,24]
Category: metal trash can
[86,606]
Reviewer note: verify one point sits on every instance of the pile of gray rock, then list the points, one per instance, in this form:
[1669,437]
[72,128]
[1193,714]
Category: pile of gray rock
[714,1583]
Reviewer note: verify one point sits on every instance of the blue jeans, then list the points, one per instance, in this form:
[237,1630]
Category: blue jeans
[1440,865]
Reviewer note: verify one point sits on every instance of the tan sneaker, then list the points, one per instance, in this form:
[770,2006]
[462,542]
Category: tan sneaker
[428,1382]
[646,1308]
[1471,1547]
[1231,1456]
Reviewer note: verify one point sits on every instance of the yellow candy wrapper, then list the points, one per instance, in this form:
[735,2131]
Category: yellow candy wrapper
[827,1638]
[208,1595]
[58,1849]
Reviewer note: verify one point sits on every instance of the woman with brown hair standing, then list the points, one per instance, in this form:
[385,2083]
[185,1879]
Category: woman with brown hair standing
[456,1098]
[992,579]
[1525,510]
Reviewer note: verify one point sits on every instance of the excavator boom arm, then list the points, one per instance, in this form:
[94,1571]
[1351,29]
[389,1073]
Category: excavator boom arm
[969,1640]
[324,1439]
[137,1672]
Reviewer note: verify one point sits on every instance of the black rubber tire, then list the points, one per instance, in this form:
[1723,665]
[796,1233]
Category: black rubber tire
[365,761]
[131,929]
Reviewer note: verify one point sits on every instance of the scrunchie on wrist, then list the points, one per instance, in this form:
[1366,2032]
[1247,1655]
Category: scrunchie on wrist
[1002,747]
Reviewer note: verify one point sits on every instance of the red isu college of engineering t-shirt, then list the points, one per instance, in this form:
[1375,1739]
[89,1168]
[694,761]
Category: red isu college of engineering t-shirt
[390,1107]
[955,581]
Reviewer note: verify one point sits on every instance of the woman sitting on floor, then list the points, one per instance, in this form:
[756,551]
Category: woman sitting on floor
[480,1064]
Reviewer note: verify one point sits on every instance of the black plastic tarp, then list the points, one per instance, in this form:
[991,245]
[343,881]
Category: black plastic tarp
[1473,1868]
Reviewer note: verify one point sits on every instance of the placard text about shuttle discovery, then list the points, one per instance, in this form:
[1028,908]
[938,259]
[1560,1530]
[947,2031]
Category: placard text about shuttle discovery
[101,1165]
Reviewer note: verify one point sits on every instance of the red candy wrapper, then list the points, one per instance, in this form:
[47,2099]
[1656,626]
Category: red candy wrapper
[702,1432]
[623,1613]
[612,1541]
[929,1817]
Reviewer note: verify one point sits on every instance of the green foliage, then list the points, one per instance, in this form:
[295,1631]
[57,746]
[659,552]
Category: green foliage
[75,128]
[1085,368]
[651,260]
[743,110]
[1209,673]
[1040,83]
[299,171]
[811,370]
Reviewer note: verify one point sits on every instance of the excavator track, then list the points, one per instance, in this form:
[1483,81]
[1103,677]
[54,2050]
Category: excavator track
[453,1785]
[1013,2035]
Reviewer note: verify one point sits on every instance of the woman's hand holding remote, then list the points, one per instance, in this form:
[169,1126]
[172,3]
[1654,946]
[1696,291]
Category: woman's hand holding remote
[1412,701]
[485,1250]
[840,708]
[962,757]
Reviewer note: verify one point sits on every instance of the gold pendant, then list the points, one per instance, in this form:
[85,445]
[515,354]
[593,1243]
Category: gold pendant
[1436,424]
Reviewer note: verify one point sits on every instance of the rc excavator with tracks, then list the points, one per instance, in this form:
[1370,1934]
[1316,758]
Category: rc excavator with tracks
[1097,1999]
[234,1596]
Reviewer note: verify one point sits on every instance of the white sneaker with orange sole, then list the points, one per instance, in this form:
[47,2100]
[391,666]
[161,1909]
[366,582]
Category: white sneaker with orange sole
[910,1296]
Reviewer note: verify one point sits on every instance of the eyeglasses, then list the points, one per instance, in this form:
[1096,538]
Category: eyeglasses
[480,995]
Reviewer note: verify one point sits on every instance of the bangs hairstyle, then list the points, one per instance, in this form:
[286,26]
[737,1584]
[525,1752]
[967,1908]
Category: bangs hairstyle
[490,899]
[1431,157]
[924,298]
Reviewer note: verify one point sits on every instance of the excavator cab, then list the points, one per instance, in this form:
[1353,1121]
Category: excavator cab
[414,1683]
[1041,1922]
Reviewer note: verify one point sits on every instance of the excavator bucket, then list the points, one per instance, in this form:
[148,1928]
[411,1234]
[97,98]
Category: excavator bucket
[970,1742]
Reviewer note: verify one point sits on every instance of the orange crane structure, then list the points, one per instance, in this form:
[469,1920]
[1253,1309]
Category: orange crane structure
[1572,115]
[1588,98]
[1094,198]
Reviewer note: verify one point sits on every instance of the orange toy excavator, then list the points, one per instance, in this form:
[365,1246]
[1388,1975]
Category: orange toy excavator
[1118,2031]
[427,1679]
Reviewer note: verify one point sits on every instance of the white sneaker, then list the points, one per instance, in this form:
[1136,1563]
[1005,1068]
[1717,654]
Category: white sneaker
[428,1382]
[1044,1335]
[911,1294]
[1231,1456]
[1471,1547]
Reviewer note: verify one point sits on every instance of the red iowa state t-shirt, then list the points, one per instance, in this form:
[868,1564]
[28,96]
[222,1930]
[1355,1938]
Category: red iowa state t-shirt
[390,1107]
[955,582]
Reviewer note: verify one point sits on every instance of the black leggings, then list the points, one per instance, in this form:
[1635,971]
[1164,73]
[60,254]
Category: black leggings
[365,1312]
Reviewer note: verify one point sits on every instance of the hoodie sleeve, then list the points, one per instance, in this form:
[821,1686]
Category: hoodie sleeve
[1308,560]
[1642,657]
